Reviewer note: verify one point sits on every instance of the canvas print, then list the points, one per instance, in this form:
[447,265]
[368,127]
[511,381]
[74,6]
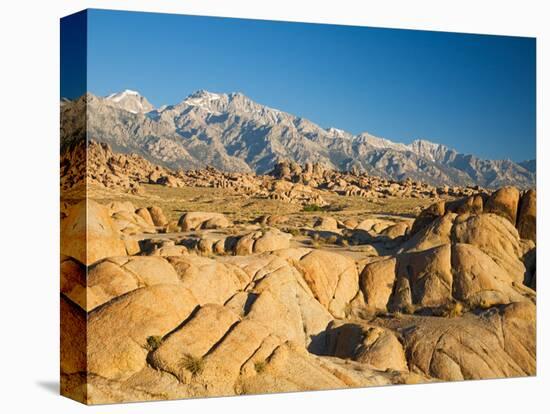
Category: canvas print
[257,207]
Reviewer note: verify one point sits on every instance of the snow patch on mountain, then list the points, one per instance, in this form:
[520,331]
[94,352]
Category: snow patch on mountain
[129,100]
[234,133]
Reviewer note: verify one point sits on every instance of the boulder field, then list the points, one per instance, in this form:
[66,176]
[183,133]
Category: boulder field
[289,182]
[252,313]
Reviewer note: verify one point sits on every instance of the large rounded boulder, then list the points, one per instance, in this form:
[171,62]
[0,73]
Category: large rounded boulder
[504,202]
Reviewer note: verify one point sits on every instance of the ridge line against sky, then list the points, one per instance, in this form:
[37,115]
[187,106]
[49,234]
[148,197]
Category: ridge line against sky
[474,93]
[433,141]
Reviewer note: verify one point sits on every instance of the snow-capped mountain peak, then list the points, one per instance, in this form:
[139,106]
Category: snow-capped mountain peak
[340,133]
[234,133]
[233,103]
[203,98]
[130,101]
[118,96]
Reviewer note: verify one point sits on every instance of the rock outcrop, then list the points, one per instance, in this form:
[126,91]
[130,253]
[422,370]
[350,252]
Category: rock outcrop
[92,231]
[227,309]
[89,234]
[245,136]
[508,202]
[499,342]
[200,220]
[457,253]
[288,182]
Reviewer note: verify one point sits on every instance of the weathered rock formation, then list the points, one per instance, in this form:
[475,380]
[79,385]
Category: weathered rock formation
[453,301]
[288,182]
[519,208]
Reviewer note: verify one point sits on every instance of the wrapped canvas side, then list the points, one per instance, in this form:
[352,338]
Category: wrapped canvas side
[73,158]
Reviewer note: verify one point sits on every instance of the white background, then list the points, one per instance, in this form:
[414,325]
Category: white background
[29,142]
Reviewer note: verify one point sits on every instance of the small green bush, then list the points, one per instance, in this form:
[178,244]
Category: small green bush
[312,208]
[153,342]
[295,232]
[259,366]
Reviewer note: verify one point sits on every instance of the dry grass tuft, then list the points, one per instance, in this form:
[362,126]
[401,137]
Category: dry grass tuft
[194,365]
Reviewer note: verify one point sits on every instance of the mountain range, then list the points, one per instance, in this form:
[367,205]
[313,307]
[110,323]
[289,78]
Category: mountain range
[231,132]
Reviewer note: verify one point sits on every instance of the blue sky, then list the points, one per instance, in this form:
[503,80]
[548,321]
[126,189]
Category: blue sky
[474,93]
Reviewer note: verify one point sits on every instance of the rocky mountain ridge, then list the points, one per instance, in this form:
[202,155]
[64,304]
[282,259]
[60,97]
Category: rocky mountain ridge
[235,134]
[288,181]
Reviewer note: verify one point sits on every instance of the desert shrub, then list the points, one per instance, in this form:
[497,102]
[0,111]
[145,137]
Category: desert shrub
[453,310]
[294,231]
[485,304]
[316,241]
[348,310]
[332,239]
[153,342]
[343,242]
[312,207]
[259,366]
[194,365]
